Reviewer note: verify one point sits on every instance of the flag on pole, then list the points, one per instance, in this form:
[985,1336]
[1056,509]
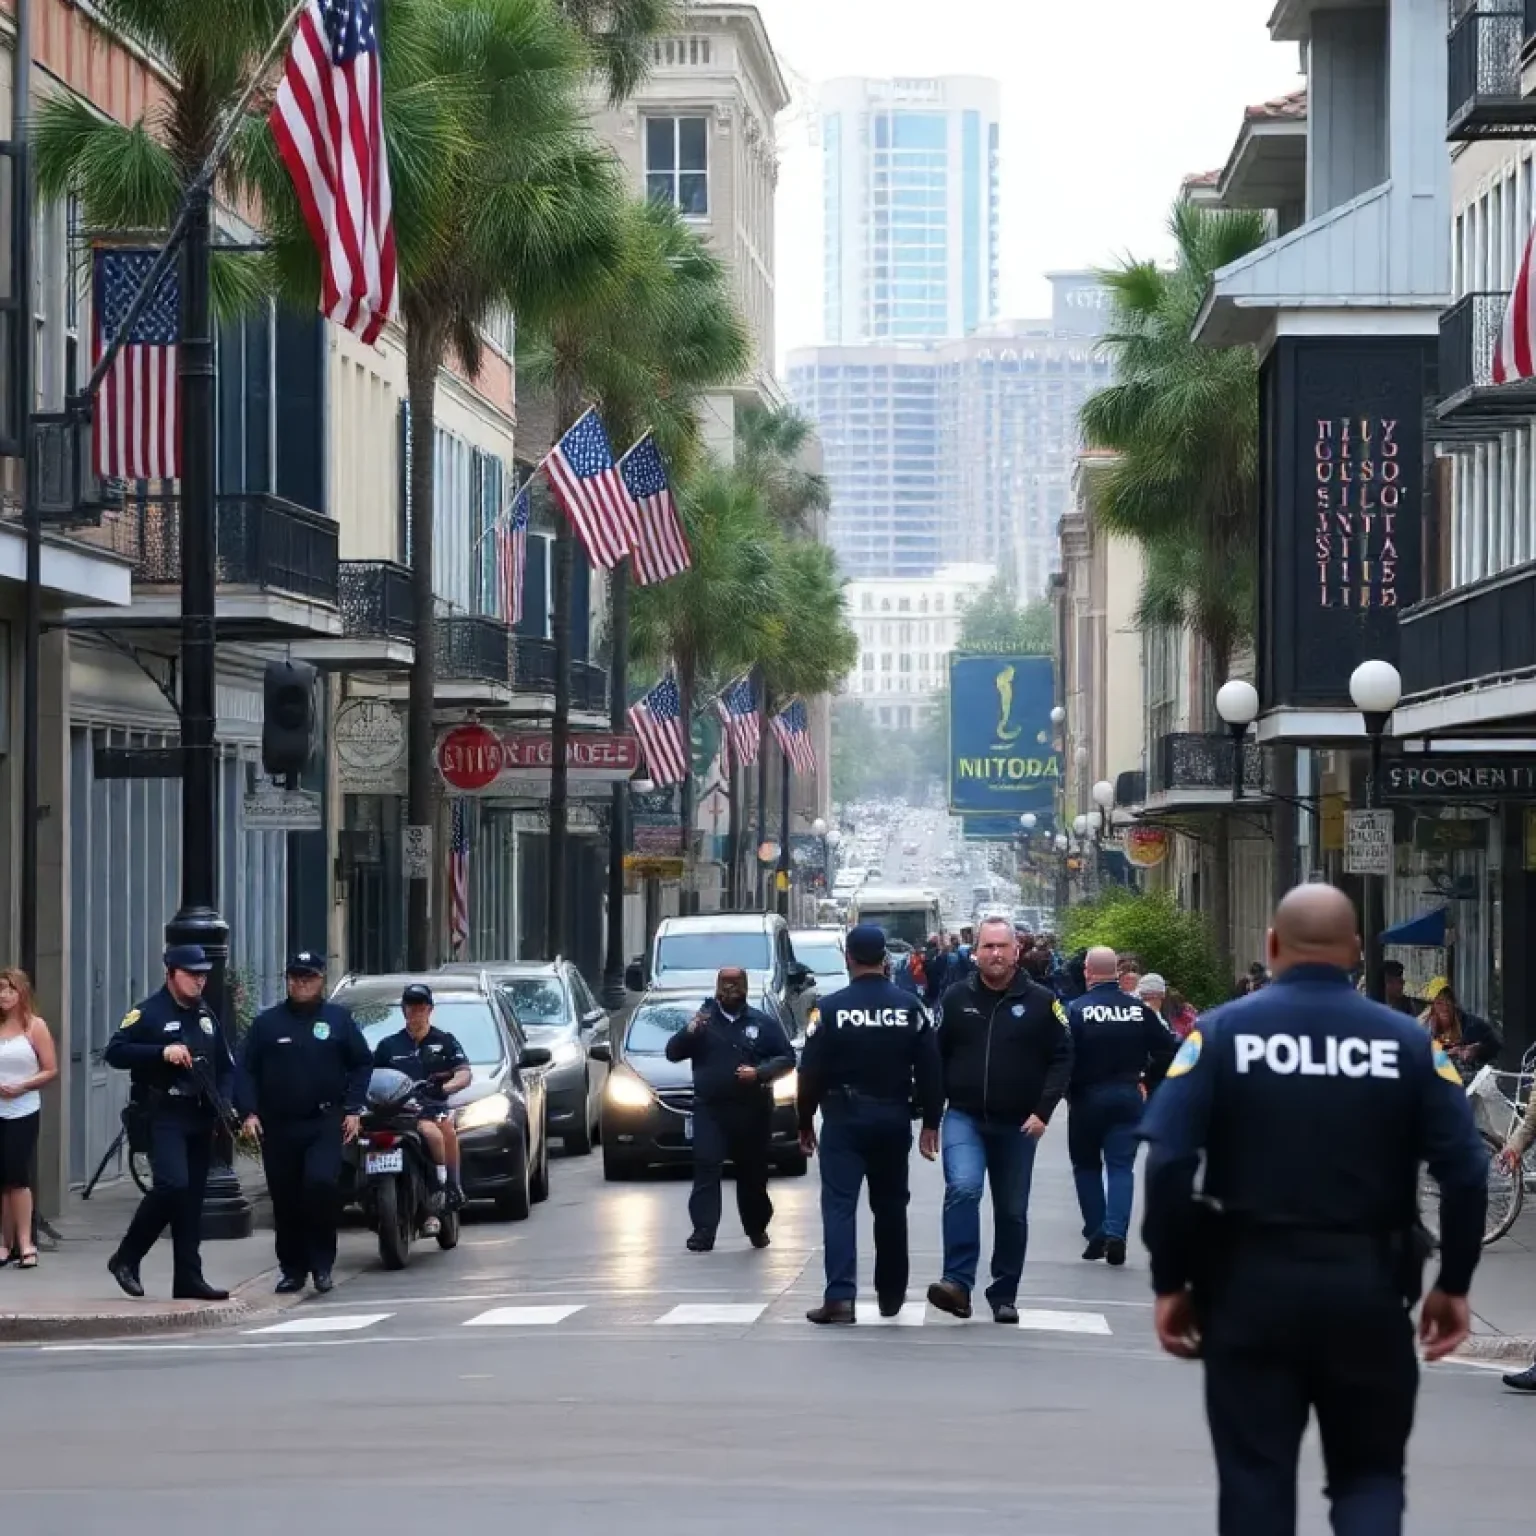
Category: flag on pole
[458,881]
[328,121]
[791,728]
[658,722]
[737,708]
[662,548]
[512,556]
[136,423]
[587,483]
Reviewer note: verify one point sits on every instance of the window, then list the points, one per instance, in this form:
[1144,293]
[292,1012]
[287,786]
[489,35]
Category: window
[677,163]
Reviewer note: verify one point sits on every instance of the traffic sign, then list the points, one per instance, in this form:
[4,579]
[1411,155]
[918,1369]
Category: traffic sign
[470,757]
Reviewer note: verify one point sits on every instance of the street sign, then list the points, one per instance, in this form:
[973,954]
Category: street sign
[601,756]
[470,757]
[416,853]
[272,809]
[1368,848]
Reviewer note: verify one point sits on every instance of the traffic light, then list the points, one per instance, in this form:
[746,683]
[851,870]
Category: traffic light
[288,718]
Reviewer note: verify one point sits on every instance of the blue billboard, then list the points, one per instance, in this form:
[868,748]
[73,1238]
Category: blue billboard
[1002,761]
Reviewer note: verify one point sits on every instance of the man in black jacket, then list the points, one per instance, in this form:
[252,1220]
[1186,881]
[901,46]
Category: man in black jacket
[737,1054]
[1007,1054]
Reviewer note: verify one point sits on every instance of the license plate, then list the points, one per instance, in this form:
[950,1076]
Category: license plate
[385,1162]
[687,1127]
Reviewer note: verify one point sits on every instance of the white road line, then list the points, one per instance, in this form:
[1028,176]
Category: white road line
[521,1317]
[339,1324]
[707,1312]
[1064,1322]
[913,1315]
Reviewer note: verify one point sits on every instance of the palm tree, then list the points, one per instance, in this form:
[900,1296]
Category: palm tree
[620,34]
[661,328]
[1183,422]
[771,445]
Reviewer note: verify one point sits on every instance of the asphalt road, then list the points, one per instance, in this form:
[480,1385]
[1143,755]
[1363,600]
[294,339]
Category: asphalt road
[541,1374]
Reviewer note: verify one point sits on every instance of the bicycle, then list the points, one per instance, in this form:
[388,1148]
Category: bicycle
[1498,1107]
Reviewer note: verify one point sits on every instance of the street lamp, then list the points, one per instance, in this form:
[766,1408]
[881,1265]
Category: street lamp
[1058,717]
[1080,825]
[1061,842]
[1095,823]
[1028,821]
[1104,796]
[818,828]
[1375,687]
[1080,757]
[1237,702]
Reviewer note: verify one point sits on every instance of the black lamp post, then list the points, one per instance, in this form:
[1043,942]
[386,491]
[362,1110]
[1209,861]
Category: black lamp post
[1375,688]
[1237,702]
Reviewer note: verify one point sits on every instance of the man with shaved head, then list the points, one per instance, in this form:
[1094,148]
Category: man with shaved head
[1314,1109]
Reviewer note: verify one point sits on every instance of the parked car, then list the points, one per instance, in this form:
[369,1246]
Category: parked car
[556,1010]
[500,1116]
[688,951]
[821,949]
[648,1101]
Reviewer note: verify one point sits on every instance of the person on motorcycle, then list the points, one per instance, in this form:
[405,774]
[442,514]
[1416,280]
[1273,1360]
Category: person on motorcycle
[433,1058]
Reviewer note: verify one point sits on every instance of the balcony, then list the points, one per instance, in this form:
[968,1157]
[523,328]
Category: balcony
[1469,398]
[1484,53]
[535,675]
[474,660]
[589,687]
[1192,771]
[535,671]
[378,627]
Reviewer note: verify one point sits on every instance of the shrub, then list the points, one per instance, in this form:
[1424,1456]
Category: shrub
[1174,943]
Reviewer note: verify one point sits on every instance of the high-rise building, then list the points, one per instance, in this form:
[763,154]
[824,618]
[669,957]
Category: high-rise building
[910,192]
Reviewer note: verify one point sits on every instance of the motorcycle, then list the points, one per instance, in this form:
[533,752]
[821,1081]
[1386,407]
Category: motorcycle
[395,1180]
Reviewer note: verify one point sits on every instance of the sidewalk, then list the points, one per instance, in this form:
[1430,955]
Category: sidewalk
[70,1295]
[1504,1296]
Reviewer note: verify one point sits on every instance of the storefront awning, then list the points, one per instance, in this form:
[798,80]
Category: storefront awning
[1427,931]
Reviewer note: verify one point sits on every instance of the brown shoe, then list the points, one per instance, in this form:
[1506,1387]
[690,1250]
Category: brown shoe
[949,1297]
[831,1312]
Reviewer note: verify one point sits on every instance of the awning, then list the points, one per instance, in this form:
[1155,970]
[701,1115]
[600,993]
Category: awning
[1426,931]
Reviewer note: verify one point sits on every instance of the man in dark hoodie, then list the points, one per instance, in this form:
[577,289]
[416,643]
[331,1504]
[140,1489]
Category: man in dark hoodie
[1007,1054]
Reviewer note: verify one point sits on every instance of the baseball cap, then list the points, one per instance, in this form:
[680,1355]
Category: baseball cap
[417,992]
[866,944]
[305,962]
[1152,985]
[188,957]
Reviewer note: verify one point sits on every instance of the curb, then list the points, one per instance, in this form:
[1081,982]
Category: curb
[47,1327]
[1497,1346]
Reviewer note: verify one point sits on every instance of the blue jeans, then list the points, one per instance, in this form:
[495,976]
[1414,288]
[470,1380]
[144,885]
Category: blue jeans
[974,1151]
[1101,1141]
[864,1139]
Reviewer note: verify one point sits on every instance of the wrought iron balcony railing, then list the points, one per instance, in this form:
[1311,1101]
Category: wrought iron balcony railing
[535,665]
[1484,630]
[1193,760]
[589,686]
[376,600]
[1484,62]
[474,647]
[1469,333]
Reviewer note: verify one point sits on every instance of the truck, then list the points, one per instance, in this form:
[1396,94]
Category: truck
[908,912]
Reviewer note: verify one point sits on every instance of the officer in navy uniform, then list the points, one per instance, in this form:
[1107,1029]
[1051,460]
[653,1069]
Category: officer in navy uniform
[1293,1273]
[181,1066]
[1120,1052]
[301,1088]
[873,1054]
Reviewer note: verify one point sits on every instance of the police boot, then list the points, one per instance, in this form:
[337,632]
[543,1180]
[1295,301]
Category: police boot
[1522,1381]
[831,1312]
[126,1275]
[197,1289]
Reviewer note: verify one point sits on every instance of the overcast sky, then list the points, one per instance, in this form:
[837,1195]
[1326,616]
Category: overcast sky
[1107,104]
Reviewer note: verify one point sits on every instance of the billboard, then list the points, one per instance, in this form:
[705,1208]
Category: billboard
[1001,758]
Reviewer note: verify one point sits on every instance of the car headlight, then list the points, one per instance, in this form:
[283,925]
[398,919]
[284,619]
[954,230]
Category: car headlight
[626,1091]
[491,1110]
[785,1088]
[567,1054]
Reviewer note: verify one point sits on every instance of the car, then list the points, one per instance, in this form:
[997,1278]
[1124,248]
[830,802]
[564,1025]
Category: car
[689,951]
[821,949]
[503,1144]
[648,1100]
[556,1010]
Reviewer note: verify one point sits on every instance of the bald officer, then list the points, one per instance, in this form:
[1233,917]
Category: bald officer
[1294,1274]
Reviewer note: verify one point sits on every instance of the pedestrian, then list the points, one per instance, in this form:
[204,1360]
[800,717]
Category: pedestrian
[301,1088]
[1293,1275]
[182,1069]
[1007,1057]
[1120,1051]
[1153,991]
[738,1052]
[1395,990]
[1179,1013]
[1129,968]
[1510,1160]
[870,1058]
[28,1063]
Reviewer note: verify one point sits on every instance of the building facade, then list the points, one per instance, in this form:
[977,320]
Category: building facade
[910,191]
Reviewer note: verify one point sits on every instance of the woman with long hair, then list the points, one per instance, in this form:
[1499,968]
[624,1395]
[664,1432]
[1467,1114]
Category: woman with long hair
[27,1063]
[1469,1041]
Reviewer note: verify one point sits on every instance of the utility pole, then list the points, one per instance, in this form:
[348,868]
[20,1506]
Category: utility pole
[618,819]
[24,389]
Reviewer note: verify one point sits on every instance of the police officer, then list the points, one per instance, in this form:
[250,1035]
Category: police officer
[737,1054]
[301,1088]
[183,1071]
[872,1054]
[1294,1273]
[1120,1051]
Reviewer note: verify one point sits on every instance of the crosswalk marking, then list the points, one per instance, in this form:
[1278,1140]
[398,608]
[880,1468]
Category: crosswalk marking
[1063,1322]
[912,1315]
[521,1317]
[349,1323]
[712,1312]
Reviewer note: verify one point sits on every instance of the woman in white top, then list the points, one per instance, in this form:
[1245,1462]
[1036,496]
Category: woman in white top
[27,1063]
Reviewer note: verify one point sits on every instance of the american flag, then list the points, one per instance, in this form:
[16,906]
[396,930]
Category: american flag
[512,556]
[662,548]
[137,417]
[737,708]
[458,881]
[590,488]
[657,721]
[791,729]
[328,121]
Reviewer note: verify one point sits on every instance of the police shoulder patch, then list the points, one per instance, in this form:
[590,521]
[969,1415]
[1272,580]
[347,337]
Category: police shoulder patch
[131,1018]
[1446,1068]
[1188,1054]
[1060,1012]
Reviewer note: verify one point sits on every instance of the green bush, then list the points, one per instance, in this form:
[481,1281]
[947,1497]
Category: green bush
[1174,943]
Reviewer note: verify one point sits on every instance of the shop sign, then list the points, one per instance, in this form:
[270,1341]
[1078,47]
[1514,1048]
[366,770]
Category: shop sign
[469,757]
[1460,776]
[369,738]
[1368,845]
[1002,755]
[607,756]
